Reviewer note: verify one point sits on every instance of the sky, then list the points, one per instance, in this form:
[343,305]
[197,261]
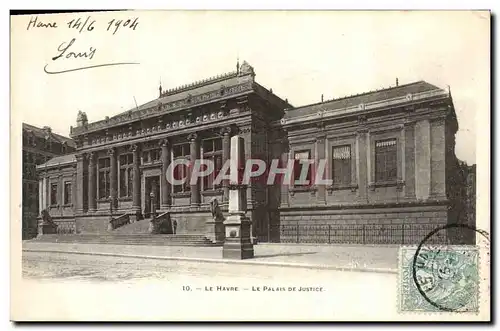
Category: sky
[300,55]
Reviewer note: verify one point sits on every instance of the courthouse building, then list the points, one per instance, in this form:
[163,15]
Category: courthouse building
[390,156]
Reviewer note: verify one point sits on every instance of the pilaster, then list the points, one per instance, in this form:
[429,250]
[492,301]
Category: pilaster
[113,176]
[226,150]
[92,182]
[136,181]
[79,186]
[165,184]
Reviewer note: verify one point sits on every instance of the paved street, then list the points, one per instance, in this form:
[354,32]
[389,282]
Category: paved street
[381,258]
[96,287]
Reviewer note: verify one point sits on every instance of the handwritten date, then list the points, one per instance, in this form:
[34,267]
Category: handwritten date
[77,24]
[117,24]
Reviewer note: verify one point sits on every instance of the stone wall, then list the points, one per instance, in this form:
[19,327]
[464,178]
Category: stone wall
[385,225]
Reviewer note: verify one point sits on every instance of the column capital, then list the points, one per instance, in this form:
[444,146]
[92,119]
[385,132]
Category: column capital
[192,137]
[227,131]
[80,157]
[245,128]
[91,156]
[362,130]
[133,148]
[111,152]
[165,142]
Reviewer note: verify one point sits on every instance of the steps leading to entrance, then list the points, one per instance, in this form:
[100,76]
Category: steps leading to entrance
[131,239]
[139,227]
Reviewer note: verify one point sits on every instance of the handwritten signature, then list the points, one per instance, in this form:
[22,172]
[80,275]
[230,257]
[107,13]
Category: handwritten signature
[66,49]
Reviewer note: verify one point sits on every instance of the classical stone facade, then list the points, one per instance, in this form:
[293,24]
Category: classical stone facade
[390,156]
[39,146]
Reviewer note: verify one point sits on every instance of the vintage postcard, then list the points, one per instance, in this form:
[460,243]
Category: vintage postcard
[250,166]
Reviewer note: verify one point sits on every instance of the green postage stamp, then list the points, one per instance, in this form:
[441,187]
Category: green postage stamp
[439,279]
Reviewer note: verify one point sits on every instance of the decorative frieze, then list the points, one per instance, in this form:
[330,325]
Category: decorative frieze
[163,107]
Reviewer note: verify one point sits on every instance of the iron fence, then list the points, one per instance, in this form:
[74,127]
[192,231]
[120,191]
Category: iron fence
[355,233]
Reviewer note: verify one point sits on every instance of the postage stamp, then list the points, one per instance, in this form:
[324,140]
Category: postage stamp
[439,279]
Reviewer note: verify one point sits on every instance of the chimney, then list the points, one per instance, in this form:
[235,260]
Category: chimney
[397,81]
[322,98]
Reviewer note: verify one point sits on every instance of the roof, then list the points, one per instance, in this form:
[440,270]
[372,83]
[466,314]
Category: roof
[58,160]
[213,89]
[194,89]
[363,98]
[42,133]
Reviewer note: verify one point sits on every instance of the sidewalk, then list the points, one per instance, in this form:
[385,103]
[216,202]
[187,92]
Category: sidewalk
[342,257]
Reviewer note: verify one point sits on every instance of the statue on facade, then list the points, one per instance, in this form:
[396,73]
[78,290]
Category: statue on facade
[81,118]
[216,211]
[46,226]
[245,68]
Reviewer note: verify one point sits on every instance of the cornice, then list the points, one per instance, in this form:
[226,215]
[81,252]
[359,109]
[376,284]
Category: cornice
[160,108]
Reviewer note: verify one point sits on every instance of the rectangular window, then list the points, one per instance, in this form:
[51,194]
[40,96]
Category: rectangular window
[181,171]
[67,193]
[212,150]
[386,160]
[341,165]
[298,166]
[104,182]
[125,181]
[53,194]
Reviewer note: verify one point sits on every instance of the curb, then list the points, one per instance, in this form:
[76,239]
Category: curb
[209,260]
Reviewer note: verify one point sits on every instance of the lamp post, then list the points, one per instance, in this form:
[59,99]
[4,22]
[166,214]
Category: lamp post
[110,224]
[152,222]
[153,203]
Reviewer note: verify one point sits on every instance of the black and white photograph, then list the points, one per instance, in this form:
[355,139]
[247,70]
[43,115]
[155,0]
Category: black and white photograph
[250,166]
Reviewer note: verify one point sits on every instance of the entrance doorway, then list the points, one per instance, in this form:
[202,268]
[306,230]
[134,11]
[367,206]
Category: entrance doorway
[152,186]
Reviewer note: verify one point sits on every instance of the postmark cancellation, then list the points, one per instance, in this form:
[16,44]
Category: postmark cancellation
[439,279]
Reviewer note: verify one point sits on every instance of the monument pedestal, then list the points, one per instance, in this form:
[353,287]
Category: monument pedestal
[215,231]
[47,228]
[237,244]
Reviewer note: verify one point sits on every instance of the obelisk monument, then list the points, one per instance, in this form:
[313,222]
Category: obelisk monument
[237,244]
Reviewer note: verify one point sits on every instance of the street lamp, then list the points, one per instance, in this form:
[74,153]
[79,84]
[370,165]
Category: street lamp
[110,224]
[111,206]
[153,201]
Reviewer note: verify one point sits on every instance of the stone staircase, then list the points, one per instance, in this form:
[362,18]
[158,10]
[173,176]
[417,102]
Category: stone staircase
[130,234]
[130,239]
[139,227]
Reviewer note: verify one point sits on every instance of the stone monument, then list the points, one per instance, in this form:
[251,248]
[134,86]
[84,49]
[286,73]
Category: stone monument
[237,244]
[46,225]
[215,226]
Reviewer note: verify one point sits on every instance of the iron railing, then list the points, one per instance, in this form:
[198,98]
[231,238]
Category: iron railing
[355,233]
[119,221]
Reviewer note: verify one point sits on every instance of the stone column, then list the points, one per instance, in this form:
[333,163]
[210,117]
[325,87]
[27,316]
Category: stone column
[136,181]
[113,176]
[409,158]
[92,182]
[166,188]
[194,154]
[362,167]
[79,186]
[226,149]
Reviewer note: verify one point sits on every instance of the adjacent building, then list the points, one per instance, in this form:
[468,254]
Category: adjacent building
[390,157]
[39,146]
